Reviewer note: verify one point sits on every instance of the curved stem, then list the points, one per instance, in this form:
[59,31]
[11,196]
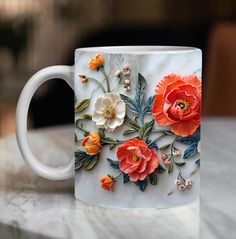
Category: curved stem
[114,178]
[172,146]
[142,118]
[156,139]
[110,142]
[99,84]
[116,142]
[161,131]
[106,78]
[80,128]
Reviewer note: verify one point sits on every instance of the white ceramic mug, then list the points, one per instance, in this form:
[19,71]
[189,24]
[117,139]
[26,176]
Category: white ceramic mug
[137,125]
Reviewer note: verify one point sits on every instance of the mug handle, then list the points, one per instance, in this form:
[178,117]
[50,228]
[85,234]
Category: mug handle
[52,72]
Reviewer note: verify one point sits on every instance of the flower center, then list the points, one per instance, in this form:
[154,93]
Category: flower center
[183,105]
[135,158]
[109,112]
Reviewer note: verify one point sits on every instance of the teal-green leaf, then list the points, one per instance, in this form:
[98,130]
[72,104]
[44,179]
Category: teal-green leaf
[146,130]
[170,168]
[129,131]
[125,178]
[180,164]
[140,90]
[160,169]
[153,178]
[166,146]
[91,163]
[141,184]
[114,164]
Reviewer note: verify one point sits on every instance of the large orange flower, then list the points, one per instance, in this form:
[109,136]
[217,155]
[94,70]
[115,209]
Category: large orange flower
[91,143]
[136,159]
[96,62]
[177,104]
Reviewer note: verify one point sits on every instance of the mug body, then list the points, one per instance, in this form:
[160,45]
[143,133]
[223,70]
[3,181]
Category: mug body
[137,126]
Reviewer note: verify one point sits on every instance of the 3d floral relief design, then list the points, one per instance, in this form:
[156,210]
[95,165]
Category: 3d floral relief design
[172,111]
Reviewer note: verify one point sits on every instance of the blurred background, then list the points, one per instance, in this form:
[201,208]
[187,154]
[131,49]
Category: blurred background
[38,33]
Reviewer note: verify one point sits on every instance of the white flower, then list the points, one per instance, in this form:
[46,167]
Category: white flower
[109,111]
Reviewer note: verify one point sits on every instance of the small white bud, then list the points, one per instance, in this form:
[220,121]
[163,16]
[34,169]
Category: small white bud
[127,82]
[126,67]
[176,153]
[117,74]
[127,88]
[126,72]
[177,182]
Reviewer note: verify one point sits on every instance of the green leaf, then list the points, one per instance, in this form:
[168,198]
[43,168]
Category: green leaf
[125,178]
[167,132]
[112,146]
[108,140]
[81,106]
[197,162]
[146,130]
[153,178]
[132,123]
[140,90]
[91,162]
[80,158]
[85,117]
[141,184]
[180,164]
[160,169]
[101,133]
[114,164]
[83,160]
[171,167]
[166,146]
[148,105]
[129,131]
[191,151]
[130,104]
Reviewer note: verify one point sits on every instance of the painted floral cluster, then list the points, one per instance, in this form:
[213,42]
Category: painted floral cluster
[175,106]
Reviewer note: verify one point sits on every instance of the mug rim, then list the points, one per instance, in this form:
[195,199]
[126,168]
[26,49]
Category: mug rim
[138,49]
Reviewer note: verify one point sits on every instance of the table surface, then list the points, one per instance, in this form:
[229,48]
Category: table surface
[33,207]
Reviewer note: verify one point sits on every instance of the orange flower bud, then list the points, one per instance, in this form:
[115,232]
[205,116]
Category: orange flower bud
[107,183]
[84,80]
[96,62]
[91,143]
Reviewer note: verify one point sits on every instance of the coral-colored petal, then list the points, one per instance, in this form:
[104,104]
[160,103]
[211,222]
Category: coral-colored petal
[121,153]
[172,86]
[185,128]
[194,81]
[162,120]
[84,141]
[167,80]
[157,111]
[134,177]
[142,166]
[153,163]
[158,104]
